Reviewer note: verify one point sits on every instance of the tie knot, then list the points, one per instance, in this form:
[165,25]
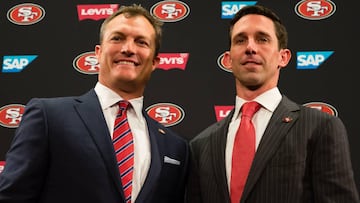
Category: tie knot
[123,104]
[250,108]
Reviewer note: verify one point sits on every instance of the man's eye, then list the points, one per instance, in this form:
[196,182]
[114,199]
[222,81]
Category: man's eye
[142,42]
[239,41]
[263,39]
[115,38]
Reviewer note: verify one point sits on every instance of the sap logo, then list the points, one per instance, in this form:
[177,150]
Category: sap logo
[312,59]
[15,64]
[229,8]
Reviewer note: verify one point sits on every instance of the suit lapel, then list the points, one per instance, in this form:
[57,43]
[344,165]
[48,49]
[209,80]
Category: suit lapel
[157,146]
[217,154]
[89,109]
[285,115]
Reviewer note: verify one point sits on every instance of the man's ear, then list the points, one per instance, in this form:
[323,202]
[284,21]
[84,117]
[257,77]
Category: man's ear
[156,62]
[226,62]
[285,55]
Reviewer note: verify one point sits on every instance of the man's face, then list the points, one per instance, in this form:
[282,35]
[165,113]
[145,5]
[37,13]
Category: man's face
[254,56]
[126,55]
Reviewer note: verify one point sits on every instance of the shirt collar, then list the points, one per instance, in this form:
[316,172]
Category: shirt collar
[108,98]
[268,100]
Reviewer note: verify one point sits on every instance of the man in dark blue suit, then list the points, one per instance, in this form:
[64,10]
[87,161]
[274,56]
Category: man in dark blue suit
[301,155]
[62,150]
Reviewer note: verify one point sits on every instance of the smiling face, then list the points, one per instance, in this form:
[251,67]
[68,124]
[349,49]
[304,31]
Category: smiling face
[126,55]
[254,56]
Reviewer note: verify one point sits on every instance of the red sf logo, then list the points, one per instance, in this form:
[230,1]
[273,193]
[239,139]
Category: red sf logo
[86,63]
[10,115]
[220,62]
[2,165]
[26,14]
[327,108]
[315,10]
[166,113]
[170,11]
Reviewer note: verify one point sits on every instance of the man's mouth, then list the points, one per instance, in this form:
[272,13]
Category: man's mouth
[126,63]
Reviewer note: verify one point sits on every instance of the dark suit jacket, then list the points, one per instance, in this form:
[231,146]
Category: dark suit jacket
[62,153]
[302,159]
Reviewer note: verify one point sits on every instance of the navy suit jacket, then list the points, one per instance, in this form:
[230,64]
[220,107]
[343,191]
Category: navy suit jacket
[303,157]
[62,152]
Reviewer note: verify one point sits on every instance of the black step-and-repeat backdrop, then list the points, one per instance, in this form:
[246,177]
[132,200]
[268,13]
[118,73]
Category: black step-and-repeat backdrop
[47,51]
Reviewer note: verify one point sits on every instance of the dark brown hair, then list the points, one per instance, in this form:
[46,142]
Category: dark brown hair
[280,29]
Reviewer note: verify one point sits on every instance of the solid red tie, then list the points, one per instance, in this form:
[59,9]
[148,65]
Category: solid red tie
[124,149]
[243,151]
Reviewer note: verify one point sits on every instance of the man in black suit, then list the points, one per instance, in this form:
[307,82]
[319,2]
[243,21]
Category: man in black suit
[63,151]
[302,154]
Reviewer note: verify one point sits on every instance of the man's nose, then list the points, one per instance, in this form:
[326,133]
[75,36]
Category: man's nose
[251,47]
[127,47]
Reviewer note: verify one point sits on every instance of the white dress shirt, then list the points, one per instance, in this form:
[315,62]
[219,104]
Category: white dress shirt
[142,157]
[269,100]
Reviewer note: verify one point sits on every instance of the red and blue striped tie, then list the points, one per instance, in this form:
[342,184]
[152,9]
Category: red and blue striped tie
[124,149]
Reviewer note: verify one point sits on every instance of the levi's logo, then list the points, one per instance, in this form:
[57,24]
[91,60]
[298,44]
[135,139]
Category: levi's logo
[222,111]
[173,60]
[96,11]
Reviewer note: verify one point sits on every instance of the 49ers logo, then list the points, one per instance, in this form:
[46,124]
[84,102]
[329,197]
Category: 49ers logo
[170,11]
[327,108]
[166,113]
[86,63]
[315,10]
[26,14]
[10,115]
[2,165]
[220,62]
